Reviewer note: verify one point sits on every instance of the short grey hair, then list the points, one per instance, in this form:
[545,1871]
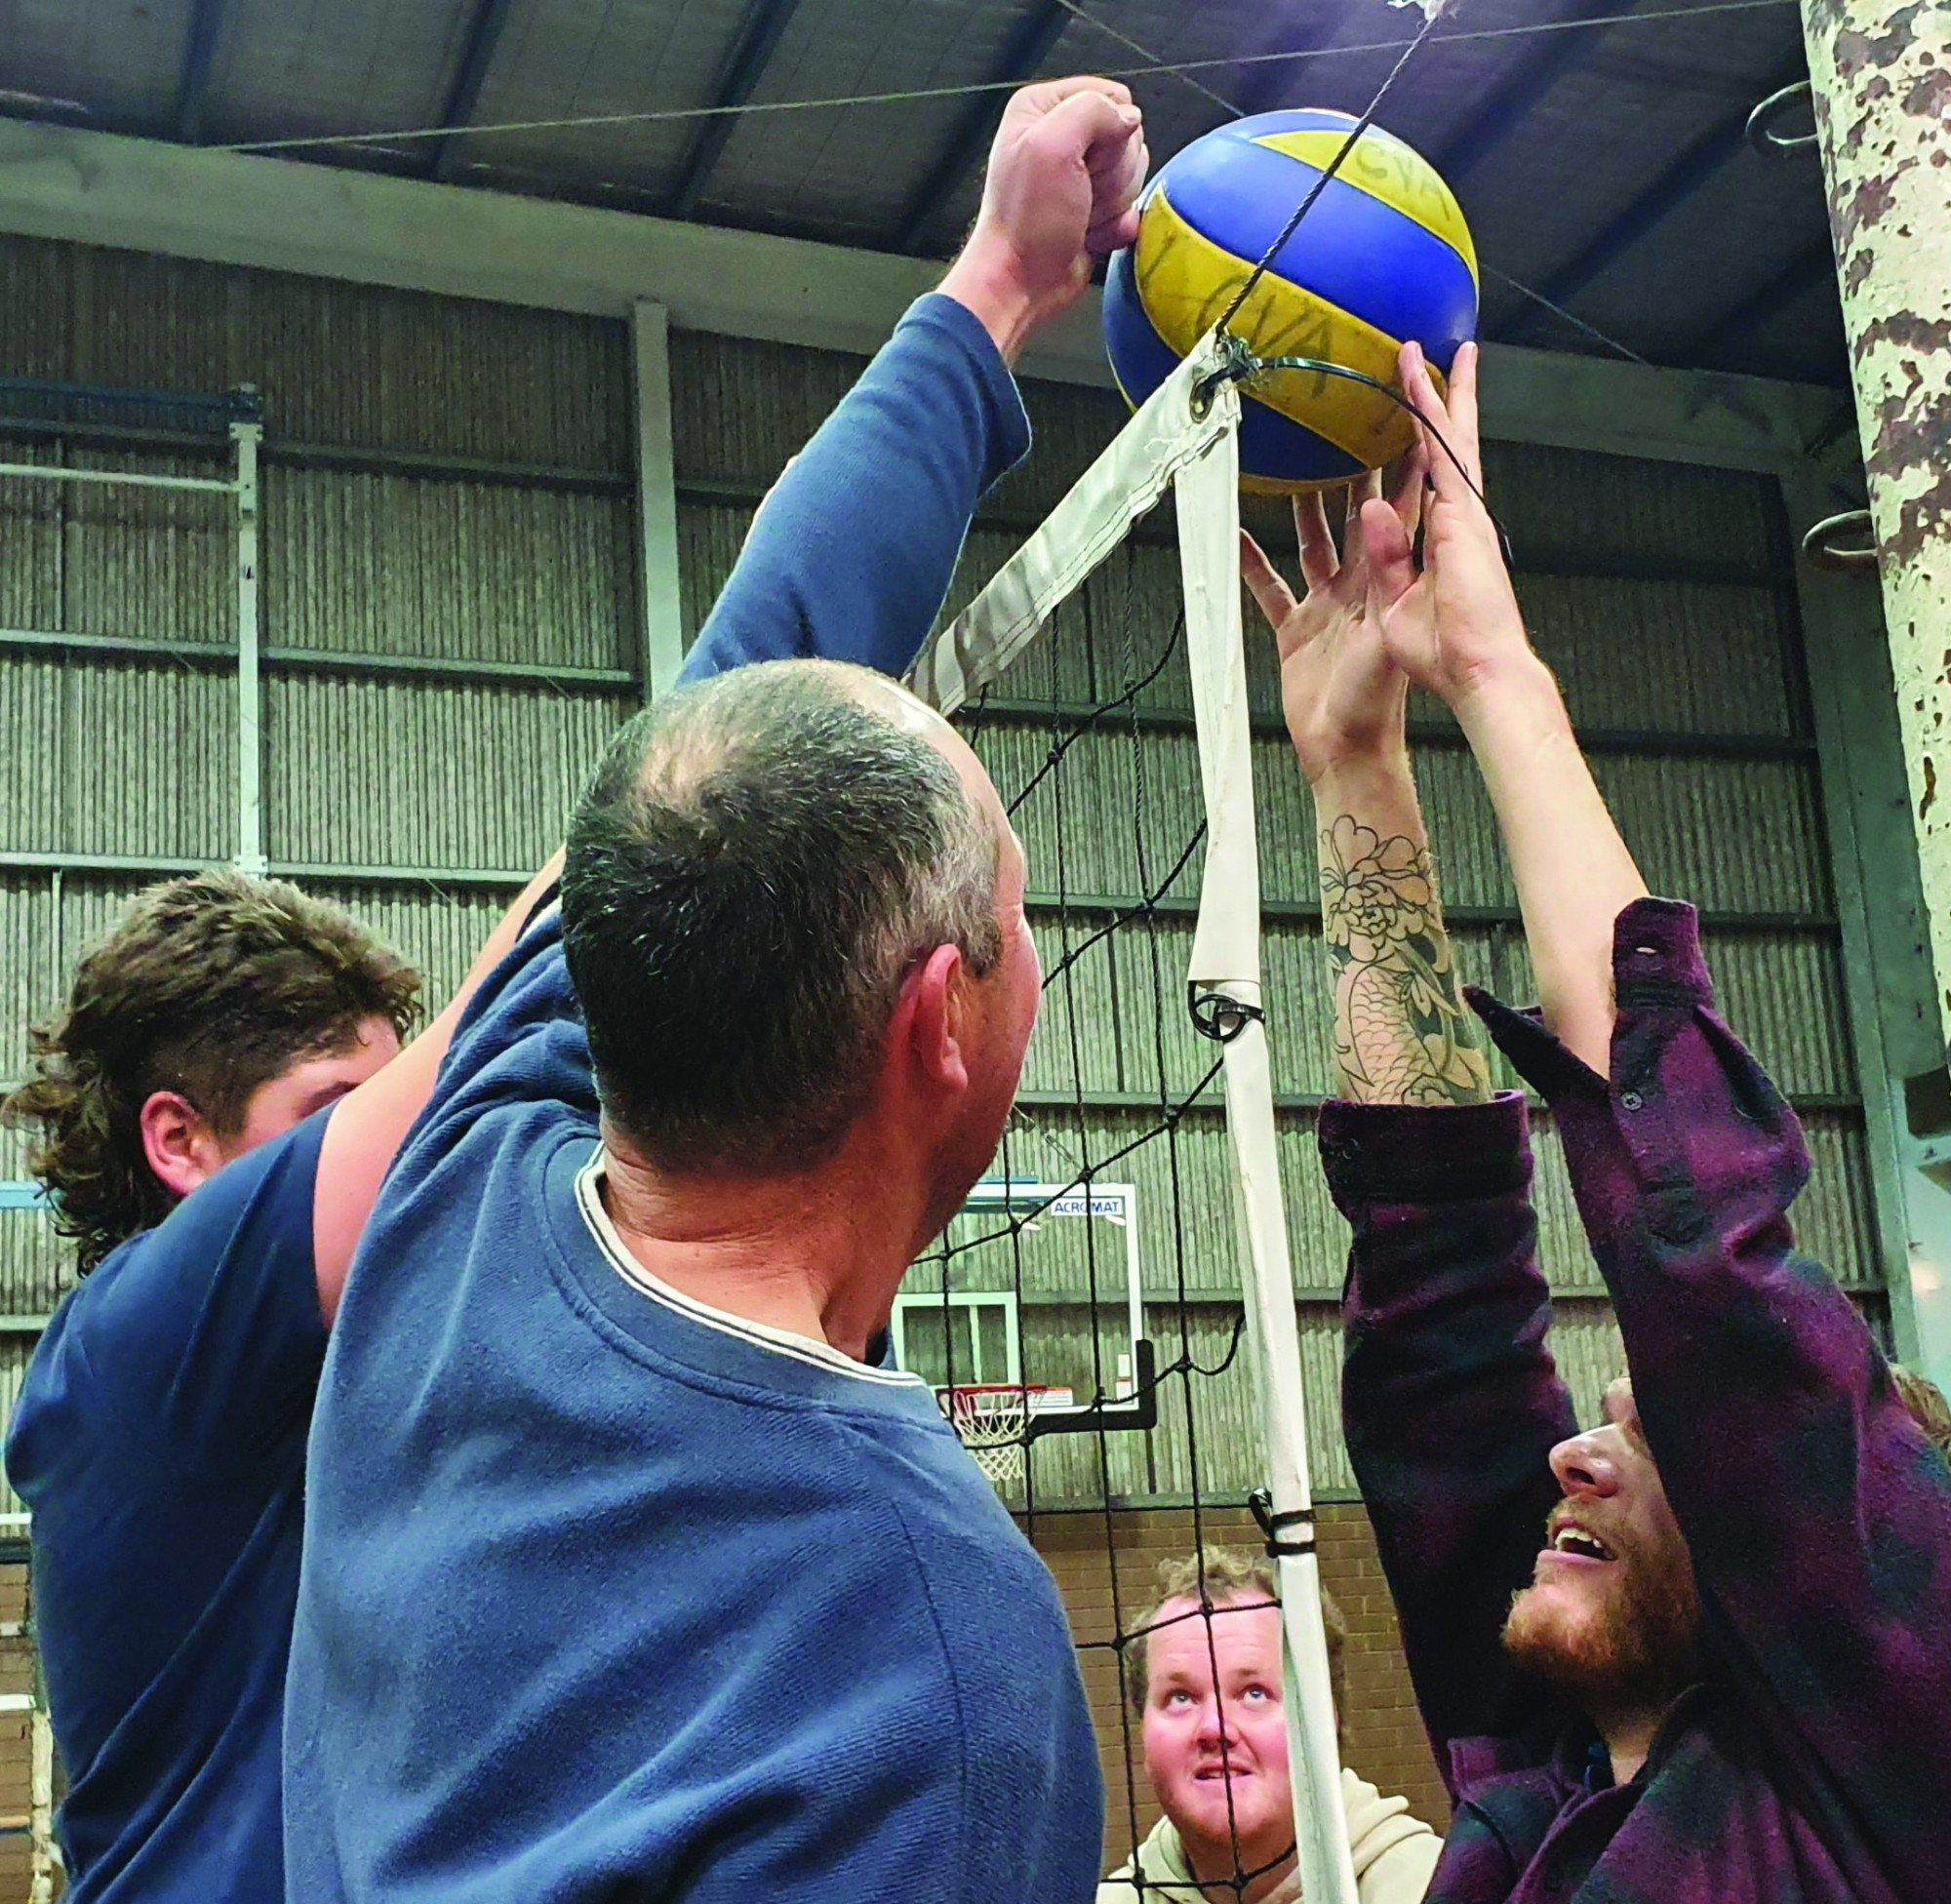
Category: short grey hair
[756,867]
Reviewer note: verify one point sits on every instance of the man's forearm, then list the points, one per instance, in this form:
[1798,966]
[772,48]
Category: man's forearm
[1575,875]
[1450,1402]
[1401,1032]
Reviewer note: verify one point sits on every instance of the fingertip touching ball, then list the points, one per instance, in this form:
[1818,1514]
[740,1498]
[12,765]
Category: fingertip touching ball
[1383,256]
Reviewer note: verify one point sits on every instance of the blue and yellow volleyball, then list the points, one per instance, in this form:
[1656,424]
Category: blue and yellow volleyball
[1382,258]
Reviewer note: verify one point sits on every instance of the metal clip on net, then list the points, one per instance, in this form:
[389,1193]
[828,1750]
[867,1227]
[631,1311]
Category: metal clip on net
[1288,1534]
[1218,1015]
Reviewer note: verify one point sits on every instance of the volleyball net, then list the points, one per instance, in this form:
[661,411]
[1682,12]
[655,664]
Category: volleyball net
[1072,1317]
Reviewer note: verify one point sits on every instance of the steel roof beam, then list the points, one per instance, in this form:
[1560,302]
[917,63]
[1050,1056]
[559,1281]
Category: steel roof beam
[372,227]
[471,75]
[765,25]
[1807,270]
[206,25]
[1030,45]
[1696,163]
[1512,97]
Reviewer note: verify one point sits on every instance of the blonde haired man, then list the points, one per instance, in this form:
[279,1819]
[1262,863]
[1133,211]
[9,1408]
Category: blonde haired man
[1204,1679]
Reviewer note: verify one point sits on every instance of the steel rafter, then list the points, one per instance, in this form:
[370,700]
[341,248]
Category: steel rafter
[1265,87]
[1696,163]
[1511,98]
[1030,45]
[764,26]
[471,75]
[1809,267]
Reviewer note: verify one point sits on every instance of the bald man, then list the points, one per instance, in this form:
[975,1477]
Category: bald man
[630,1571]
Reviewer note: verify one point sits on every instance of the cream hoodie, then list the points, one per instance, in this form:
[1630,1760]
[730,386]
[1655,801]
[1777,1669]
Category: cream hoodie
[1395,1855]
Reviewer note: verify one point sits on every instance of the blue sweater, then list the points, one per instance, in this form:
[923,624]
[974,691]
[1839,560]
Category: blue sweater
[160,1434]
[159,1442]
[612,1595]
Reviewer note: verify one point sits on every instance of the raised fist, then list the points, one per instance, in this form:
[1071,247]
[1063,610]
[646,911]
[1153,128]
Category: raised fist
[1062,189]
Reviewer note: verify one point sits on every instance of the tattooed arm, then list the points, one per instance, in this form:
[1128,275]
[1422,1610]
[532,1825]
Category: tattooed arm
[1400,1033]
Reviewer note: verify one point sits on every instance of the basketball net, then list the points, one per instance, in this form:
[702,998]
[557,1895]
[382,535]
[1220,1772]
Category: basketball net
[992,1424]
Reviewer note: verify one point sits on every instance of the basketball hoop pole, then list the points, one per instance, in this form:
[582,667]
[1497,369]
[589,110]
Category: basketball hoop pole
[1224,995]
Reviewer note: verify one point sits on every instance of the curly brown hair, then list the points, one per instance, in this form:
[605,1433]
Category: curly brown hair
[1925,1403]
[209,986]
[1222,1576]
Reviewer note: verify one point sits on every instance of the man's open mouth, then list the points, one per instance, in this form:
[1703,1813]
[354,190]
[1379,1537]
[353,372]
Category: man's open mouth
[1570,1541]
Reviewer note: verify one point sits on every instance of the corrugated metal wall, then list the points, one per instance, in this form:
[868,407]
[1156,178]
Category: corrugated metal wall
[444,482]
[450,628]
[448,483]
[1662,594]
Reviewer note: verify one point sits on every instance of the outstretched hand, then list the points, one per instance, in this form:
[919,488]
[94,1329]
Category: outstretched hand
[1343,697]
[1455,628]
[1062,189]
[1455,625]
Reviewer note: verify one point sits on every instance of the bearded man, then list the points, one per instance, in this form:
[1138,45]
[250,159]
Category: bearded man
[1726,1679]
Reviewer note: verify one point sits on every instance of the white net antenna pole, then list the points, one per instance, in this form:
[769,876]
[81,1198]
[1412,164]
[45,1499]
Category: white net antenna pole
[1225,980]
[1176,439]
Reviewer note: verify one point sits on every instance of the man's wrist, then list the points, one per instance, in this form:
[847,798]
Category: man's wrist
[986,282]
[1357,781]
[1514,701]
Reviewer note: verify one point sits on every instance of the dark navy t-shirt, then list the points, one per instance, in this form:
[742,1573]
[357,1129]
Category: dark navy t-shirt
[613,1595]
[159,1443]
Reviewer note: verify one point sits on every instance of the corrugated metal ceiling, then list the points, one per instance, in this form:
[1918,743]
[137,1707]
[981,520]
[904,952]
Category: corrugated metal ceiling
[1553,138]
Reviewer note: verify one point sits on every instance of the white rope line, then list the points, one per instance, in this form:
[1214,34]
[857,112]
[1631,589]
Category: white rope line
[1180,68]
[1151,58]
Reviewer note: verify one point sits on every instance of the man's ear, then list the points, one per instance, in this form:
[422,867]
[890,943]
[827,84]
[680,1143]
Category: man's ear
[935,1009]
[178,1143]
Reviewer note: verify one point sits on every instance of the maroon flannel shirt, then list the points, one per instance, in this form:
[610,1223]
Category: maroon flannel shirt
[1815,1762]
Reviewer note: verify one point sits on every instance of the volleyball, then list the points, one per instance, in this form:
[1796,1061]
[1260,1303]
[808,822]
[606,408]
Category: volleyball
[1383,256]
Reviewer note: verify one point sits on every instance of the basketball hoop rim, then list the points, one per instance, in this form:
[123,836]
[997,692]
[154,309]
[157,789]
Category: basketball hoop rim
[999,1388]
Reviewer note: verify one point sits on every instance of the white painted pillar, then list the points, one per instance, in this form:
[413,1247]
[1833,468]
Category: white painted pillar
[43,1854]
[1882,81]
[247,439]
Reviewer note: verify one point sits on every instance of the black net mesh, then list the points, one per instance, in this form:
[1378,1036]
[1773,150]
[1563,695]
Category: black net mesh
[1115,1156]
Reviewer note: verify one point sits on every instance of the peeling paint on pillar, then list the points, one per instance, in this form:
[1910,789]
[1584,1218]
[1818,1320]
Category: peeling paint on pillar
[1882,81]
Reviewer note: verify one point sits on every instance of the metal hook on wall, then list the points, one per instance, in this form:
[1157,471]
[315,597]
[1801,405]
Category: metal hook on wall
[1822,547]
[1762,134]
